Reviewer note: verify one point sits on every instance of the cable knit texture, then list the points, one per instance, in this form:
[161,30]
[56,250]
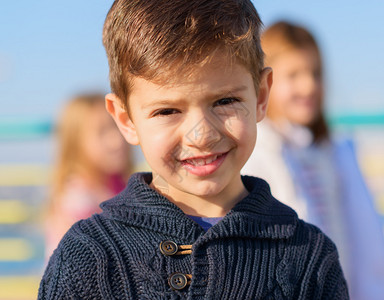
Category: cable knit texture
[260,250]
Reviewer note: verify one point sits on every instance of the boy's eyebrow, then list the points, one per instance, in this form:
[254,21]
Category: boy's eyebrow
[226,92]
[163,102]
[221,93]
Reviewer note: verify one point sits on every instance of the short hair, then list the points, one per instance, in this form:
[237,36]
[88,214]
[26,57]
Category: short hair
[153,38]
[284,36]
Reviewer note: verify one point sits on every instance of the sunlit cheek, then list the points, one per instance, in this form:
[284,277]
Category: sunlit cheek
[231,117]
[240,129]
[161,147]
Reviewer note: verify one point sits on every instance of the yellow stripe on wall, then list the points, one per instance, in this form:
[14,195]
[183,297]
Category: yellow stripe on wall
[23,174]
[15,249]
[13,212]
[373,165]
[19,288]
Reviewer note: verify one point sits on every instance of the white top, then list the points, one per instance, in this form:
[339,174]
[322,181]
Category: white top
[324,185]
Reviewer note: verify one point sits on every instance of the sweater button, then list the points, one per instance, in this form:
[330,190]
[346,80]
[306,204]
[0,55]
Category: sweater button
[168,248]
[177,281]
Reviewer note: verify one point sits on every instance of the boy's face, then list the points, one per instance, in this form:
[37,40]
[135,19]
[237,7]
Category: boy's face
[298,89]
[196,132]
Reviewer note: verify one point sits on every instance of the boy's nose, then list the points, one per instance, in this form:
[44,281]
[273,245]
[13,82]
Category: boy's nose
[203,134]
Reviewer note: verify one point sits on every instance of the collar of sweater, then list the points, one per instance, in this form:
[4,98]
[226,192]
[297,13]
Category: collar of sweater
[258,215]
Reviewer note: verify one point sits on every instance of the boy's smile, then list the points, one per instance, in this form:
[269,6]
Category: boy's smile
[203,165]
[196,132]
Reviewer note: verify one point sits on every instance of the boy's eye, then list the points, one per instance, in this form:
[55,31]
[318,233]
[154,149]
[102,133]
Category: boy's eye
[225,101]
[165,112]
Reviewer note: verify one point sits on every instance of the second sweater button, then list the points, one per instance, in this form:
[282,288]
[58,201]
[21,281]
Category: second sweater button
[168,248]
[178,281]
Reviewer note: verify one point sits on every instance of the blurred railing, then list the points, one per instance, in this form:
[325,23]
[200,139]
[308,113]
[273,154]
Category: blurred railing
[24,172]
[13,128]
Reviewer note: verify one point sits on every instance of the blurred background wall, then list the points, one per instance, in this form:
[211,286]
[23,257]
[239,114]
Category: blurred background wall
[51,50]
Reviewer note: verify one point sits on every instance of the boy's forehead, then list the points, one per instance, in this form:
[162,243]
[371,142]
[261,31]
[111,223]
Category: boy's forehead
[179,73]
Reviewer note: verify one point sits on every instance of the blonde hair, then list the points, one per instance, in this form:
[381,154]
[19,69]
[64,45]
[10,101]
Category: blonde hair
[282,37]
[69,132]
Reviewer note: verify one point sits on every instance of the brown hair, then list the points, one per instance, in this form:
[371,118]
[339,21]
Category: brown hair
[151,38]
[284,36]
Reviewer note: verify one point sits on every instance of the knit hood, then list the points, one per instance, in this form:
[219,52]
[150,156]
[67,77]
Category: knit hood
[258,215]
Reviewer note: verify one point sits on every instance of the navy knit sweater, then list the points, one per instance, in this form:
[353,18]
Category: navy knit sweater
[142,246]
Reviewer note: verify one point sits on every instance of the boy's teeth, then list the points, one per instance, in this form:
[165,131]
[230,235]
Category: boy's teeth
[199,161]
[202,161]
[210,159]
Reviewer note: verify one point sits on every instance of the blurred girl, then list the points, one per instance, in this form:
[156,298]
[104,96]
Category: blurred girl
[93,164]
[318,176]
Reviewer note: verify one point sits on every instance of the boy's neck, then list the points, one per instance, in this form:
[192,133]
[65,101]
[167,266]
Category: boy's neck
[215,206]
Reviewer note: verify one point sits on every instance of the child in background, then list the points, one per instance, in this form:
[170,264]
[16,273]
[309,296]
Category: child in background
[316,175]
[93,164]
[189,85]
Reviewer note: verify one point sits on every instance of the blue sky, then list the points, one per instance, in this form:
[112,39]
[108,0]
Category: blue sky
[50,50]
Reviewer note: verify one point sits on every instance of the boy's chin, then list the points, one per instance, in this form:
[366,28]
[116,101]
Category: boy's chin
[204,188]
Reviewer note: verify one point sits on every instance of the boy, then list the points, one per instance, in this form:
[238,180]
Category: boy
[188,87]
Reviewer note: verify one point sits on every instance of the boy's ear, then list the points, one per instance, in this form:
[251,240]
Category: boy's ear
[115,108]
[264,89]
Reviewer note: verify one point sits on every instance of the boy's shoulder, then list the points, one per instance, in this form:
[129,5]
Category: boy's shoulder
[75,260]
[80,241]
[307,233]
[309,250]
